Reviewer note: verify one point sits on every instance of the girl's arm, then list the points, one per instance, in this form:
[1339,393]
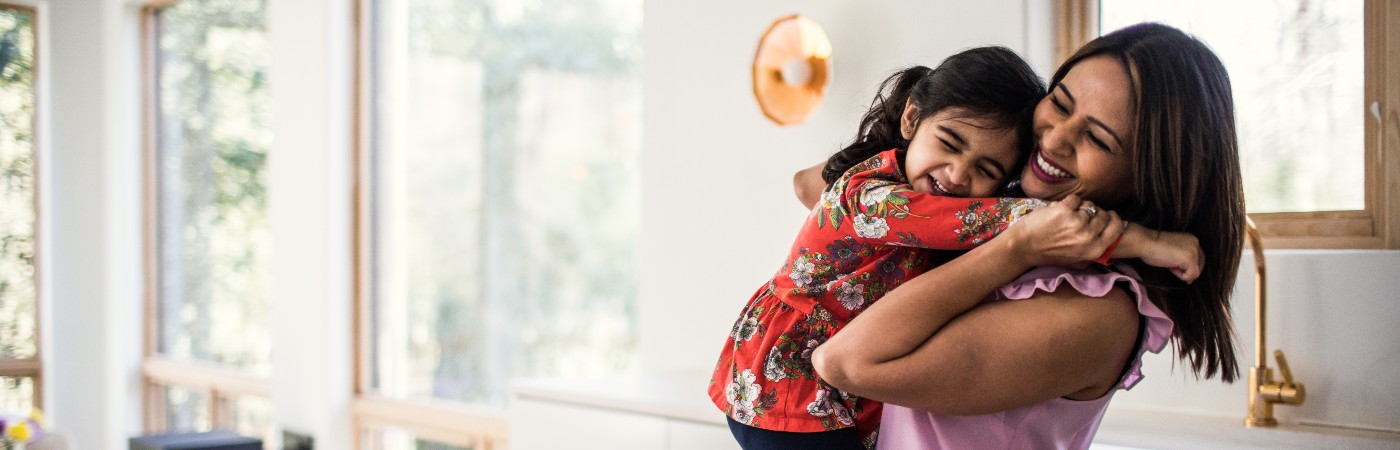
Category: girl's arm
[808,184]
[1179,252]
[927,345]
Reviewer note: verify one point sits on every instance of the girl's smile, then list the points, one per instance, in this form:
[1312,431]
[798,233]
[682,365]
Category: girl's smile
[956,154]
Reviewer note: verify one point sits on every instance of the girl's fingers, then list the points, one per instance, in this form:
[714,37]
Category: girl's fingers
[1113,228]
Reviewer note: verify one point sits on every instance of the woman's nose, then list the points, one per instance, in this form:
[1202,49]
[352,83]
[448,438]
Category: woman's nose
[1058,139]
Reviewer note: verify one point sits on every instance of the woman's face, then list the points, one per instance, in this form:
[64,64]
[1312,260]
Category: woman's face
[953,153]
[1084,135]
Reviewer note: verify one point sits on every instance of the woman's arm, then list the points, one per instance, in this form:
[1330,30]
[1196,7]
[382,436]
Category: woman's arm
[924,345]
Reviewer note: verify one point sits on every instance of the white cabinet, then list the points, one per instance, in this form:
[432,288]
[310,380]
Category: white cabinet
[686,435]
[544,424]
[628,412]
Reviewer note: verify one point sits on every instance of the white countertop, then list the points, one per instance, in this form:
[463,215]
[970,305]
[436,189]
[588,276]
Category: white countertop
[676,395]
[682,395]
[1168,430]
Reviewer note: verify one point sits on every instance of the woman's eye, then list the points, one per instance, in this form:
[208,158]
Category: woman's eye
[1099,143]
[1059,106]
[948,145]
[987,173]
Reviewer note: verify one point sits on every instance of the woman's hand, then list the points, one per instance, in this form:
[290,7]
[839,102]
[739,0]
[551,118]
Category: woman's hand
[1065,233]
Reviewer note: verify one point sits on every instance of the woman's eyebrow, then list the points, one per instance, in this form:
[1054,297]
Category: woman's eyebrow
[1093,119]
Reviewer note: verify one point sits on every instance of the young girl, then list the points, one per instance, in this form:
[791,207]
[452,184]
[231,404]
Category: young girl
[931,138]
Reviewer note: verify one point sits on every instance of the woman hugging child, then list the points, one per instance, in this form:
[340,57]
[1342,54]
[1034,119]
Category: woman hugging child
[930,153]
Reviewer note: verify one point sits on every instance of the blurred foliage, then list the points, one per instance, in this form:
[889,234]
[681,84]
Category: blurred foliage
[214,137]
[1297,73]
[214,244]
[17,185]
[520,258]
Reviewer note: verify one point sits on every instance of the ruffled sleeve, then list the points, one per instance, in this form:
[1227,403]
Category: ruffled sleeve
[1097,283]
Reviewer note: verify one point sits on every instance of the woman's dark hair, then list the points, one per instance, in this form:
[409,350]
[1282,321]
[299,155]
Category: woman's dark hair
[987,82]
[1186,178]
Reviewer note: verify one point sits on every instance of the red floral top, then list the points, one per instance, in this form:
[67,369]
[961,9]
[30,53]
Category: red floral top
[867,236]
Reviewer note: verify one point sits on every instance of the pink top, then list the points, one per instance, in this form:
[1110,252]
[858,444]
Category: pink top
[1056,424]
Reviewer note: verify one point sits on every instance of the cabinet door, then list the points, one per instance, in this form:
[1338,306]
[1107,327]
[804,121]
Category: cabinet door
[687,435]
[547,425]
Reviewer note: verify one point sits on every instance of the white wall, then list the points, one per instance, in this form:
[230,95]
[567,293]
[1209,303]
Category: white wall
[91,221]
[719,214]
[309,198]
[1334,315]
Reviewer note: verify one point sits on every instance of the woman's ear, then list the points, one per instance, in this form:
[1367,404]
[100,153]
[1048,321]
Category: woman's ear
[909,121]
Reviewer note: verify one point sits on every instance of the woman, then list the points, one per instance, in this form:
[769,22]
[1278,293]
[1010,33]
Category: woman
[1140,121]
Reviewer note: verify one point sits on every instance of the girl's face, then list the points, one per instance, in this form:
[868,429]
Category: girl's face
[1084,136]
[957,156]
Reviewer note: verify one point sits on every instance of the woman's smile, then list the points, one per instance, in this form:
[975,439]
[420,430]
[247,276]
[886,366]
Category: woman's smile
[1048,171]
[1084,136]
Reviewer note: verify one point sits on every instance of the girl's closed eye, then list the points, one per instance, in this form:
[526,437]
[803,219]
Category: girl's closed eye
[990,172]
[949,146]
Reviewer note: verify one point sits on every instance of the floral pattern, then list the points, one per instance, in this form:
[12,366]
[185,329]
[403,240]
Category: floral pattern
[867,235]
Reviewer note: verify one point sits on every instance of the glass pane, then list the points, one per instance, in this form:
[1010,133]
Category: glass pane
[252,416]
[1296,66]
[506,203]
[185,409]
[16,394]
[17,194]
[400,439]
[213,140]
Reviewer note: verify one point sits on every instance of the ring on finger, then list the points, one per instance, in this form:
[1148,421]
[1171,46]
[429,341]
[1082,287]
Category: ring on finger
[1090,210]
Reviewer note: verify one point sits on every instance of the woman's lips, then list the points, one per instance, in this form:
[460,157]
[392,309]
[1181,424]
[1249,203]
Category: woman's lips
[1048,171]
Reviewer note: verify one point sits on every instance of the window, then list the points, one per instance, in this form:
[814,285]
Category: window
[499,206]
[1311,85]
[208,348]
[20,367]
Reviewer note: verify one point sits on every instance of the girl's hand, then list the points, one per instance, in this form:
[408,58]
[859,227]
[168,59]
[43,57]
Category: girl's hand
[1179,252]
[1064,233]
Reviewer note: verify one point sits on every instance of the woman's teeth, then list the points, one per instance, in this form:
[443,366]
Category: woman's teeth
[1048,168]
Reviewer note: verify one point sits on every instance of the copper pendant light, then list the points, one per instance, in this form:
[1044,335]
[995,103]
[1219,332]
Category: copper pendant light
[791,69]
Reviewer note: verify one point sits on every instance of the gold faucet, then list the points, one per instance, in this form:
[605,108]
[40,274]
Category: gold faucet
[1263,390]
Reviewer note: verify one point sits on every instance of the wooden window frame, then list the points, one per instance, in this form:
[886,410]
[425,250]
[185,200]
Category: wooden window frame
[444,421]
[1378,225]
[221,384]
[33,367]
